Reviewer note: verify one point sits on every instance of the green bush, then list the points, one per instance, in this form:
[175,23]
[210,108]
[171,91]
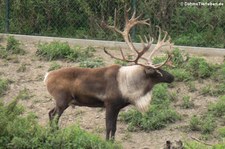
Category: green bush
[206,124]
[59,50]
[19,131]
[4,83]
[24,94]
[181,74]
[92,63]
[199,68]
[219,72]
[179,58]
[221,132]
[13,46]
[54,66]
[187,103]
[158,116]
[218,108]
[54,50]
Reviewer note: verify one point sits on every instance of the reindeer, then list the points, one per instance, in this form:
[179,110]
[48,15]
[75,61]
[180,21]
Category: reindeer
[113,87]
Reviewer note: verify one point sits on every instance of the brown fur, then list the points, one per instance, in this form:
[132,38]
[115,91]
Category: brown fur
[101,87]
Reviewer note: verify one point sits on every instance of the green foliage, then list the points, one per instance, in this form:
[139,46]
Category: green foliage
[18,131]
[24,94]
[92,63]
[216,90]
[219,72]
[195,145]
[191,86]
[206,124]
[13,46]
[179,58]
[221,132]
[195,123]
[181,74]
[4,83]
[22,68]
[158,116]
[218,108]
[160,94]
[122,63]
[196,26]
[54,50]
[54,66]
[58,50]
[187,103]
[199,68]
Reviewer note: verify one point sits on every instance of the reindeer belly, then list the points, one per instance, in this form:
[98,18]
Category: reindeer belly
[87,101]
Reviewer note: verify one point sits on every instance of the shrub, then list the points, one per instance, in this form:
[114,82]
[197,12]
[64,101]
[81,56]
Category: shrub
[92,63]
[218,108]
[122,63]
[219,72]
[205,124]
[4,83]
[160,94]
[13,46]
[24,94]
[54,50]
[187,103]
[221,132]
[19,131]
[22,68]
[181,74]
[54,66]
[158,116]
[191,86]
[178,58]
[199,68]
[61,50]
[195,123]
[80,54]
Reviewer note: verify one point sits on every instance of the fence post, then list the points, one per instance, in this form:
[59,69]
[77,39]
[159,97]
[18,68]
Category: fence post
[134,7]
[7,7]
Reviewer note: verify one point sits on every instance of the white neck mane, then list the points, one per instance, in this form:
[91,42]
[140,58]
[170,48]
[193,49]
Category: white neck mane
[132,82]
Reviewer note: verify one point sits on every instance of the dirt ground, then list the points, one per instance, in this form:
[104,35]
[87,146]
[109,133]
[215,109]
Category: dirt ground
[93,119]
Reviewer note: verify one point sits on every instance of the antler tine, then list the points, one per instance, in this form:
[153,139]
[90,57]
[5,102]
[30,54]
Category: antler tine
[160,44]
[117,58]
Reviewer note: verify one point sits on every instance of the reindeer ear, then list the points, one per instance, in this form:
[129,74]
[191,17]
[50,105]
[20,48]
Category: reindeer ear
[150,71]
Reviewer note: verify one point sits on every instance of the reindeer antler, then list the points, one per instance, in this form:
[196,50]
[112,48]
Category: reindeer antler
[130,23]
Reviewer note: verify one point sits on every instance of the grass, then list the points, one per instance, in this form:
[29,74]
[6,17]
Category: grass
[187,102]
[4,85]
[13,47]
[218,108]
[92,63]
[181,74]
[54,66]
[24,94]
[61,50]
[191,86]
[199,68]
[159,115]
[22,68]
[19,131]
[205,124]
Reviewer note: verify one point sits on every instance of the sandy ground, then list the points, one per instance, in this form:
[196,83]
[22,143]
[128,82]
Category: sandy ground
[93,119]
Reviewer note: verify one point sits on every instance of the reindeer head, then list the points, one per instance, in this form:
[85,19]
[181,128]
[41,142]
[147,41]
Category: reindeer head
[152,70]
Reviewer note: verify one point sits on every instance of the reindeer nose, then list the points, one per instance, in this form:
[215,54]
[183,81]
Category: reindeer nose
[170,78]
